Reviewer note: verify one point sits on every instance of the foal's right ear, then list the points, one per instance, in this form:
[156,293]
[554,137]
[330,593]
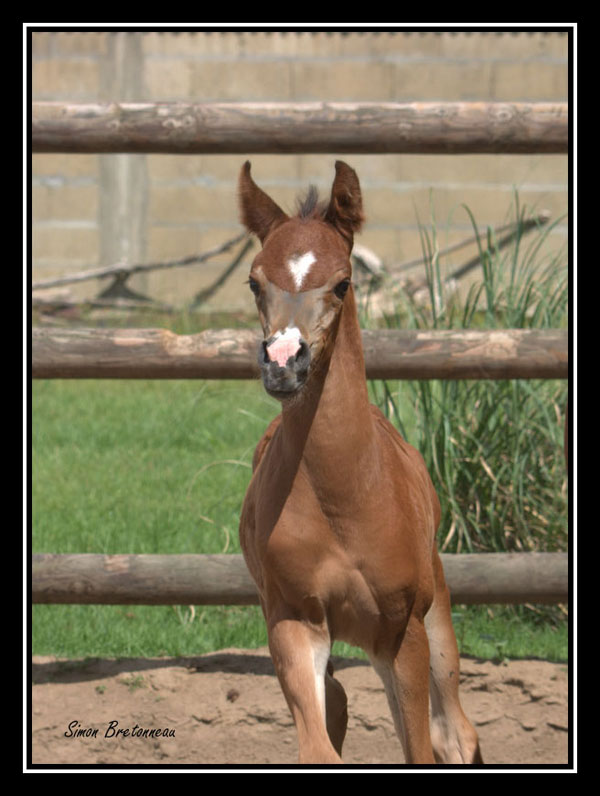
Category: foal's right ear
[259,213]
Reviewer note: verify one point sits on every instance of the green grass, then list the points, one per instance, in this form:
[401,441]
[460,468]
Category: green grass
[498,632]
[142,467]
[81,631]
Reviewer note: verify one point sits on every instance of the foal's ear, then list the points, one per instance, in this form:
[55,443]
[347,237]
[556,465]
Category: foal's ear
[259,213]
[345,210]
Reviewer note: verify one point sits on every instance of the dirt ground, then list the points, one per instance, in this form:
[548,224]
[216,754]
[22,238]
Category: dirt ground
[226,708]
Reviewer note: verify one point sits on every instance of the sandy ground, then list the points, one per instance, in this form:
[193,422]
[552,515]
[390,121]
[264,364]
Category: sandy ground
[226,708]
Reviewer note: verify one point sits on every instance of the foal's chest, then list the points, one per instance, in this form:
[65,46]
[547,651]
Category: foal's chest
[335,576]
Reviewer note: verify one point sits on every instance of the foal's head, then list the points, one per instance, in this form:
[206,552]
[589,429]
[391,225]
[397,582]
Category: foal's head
[301,275]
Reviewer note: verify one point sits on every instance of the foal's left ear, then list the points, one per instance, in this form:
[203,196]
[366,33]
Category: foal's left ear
[259,213]
[345,210]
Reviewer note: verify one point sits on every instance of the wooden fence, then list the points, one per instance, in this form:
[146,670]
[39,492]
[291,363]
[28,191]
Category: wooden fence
[393,354]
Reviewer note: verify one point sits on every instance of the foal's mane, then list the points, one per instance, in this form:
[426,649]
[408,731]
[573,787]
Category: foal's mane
[309,206]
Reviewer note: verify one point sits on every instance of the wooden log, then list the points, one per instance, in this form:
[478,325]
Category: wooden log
[466,354]
[96,579]
[312,127]
[507,577]
[232,354]
[144,354]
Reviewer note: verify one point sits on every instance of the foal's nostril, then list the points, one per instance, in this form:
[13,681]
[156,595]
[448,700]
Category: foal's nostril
[264,351]
[302,351]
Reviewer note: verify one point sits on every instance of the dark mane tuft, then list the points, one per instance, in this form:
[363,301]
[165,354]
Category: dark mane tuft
[309,206]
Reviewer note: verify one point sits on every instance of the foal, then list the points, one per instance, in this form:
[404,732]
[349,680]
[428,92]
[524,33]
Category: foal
[338,524]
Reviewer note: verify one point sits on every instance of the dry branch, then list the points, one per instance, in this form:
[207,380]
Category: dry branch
[121,269]
[525,226]
[205,294]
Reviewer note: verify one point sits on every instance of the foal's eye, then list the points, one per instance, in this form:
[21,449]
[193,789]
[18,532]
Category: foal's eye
[341,288]
[254,286]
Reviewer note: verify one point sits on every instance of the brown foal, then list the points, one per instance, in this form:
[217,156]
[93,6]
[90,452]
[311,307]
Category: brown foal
[338,524]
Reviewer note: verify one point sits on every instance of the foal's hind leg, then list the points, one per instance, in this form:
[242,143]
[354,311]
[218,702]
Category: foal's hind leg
[405,677]
[453,737]
[336,704]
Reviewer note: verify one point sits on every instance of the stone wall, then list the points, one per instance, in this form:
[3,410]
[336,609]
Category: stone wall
[91,210]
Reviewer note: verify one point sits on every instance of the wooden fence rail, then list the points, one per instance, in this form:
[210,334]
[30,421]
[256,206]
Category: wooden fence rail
[313,127]
[95,579]
[232,354]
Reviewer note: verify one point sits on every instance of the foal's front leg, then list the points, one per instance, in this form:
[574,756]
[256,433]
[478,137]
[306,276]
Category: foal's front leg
[300,655]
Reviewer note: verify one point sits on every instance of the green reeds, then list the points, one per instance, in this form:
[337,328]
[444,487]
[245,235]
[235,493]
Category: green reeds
[494,448]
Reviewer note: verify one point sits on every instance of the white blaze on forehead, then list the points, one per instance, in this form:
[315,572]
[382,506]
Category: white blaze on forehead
[300,266]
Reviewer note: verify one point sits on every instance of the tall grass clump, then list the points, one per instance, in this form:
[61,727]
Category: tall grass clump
[494,448]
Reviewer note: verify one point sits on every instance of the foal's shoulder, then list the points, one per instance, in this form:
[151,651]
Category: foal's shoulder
[388,430]
[411,456]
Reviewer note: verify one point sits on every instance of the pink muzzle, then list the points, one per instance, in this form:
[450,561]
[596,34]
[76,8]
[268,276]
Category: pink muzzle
[283,347]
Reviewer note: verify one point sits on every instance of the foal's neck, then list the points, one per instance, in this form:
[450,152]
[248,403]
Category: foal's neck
[331,427]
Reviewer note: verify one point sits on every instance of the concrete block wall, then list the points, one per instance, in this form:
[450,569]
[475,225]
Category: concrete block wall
[91,210]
